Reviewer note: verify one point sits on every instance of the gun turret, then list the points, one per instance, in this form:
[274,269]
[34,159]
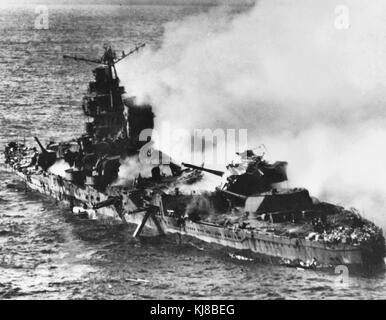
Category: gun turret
[47,158]
[215,172]
[44,150]
[251,176]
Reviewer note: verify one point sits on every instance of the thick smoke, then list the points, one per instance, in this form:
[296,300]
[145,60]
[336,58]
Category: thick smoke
[59,168]
[131,169]
[302,81]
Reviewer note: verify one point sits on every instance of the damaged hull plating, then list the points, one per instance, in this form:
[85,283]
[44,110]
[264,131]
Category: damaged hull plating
[259,246]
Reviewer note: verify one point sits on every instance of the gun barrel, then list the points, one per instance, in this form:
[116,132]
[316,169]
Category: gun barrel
[215,172]
[40,145]
[106,203]
[240,196]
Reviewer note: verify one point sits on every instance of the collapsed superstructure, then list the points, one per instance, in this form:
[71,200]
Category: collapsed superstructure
[251,210]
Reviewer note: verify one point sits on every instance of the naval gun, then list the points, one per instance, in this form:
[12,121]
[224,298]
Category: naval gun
[46,158]
[215,172]
[113,200]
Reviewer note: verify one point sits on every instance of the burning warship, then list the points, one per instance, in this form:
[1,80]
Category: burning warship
[251,213]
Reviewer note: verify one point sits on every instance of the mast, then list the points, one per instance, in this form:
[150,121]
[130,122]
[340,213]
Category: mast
[109,59]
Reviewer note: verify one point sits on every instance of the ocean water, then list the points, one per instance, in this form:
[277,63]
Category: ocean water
[45,252]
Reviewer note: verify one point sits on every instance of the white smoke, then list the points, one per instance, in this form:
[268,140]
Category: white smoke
[311,91]
[131,168]
[59,168]
[208,182]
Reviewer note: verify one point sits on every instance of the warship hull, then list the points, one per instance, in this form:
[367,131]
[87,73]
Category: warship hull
[248,244]
[261,218]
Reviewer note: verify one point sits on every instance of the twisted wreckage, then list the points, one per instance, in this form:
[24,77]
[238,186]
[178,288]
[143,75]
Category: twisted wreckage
[251,213]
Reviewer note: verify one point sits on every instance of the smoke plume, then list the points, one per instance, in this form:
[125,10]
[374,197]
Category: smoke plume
[131,169]
[306,78]
[59,168]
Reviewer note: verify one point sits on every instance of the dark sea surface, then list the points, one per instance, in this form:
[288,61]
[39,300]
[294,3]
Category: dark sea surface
[45,252]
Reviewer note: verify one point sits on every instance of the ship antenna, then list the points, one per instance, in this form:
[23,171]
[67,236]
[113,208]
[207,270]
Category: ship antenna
[109,57]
